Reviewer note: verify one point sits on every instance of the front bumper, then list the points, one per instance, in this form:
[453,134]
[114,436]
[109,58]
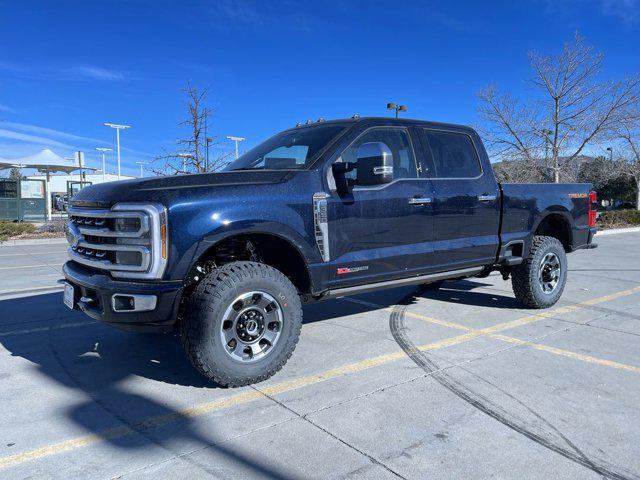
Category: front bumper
[98,288]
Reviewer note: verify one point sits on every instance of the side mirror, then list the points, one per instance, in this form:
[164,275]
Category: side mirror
[374,164]
[343,183]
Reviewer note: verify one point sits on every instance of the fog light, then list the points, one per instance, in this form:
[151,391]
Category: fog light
[129,258]
[122,302]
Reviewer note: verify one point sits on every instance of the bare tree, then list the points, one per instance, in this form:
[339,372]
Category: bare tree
[192,155]
[570,110]
[518,171]
[629,131]
[15,173]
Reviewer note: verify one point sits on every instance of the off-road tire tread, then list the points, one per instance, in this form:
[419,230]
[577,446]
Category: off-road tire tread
[207,292]
[522,280]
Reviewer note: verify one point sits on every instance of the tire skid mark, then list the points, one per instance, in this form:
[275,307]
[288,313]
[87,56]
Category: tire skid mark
[537,429]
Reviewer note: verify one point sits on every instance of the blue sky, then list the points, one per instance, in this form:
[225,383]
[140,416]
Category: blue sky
[67,67]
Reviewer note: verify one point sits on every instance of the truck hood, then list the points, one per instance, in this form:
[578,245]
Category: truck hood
[104,195]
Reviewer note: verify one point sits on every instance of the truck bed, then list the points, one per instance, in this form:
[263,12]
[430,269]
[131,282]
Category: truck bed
[526,205]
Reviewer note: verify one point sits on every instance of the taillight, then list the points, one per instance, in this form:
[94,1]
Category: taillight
[593,200]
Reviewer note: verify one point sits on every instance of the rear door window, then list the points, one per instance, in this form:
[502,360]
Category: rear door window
[449,155]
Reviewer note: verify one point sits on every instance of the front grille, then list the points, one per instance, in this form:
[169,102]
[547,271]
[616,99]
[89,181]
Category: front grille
[123,240]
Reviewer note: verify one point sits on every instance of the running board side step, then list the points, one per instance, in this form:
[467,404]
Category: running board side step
[401,282]
[511,261]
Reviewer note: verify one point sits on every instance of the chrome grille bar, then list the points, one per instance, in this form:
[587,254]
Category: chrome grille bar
[96,243]
[92,222]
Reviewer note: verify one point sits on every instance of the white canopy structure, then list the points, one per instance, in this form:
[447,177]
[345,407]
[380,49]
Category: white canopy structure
[46,162]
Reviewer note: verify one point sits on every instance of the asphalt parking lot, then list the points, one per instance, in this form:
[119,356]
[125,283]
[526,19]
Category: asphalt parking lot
[459,383]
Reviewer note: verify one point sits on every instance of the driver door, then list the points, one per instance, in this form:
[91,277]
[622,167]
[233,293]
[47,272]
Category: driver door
[381,232]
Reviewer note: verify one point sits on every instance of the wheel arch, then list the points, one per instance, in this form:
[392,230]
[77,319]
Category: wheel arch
[556,224]
[266,247]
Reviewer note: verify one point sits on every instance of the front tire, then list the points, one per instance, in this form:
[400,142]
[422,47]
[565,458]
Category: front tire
[241,323]
[539,281]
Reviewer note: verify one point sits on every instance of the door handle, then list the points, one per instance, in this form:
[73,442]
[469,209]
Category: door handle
[486,198]
[419,200]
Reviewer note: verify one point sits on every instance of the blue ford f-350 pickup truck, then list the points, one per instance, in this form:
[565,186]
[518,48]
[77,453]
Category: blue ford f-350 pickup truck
[323,210]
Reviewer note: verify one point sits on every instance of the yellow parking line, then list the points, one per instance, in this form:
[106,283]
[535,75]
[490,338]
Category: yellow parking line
[490,332]
[567,353]
[557,351]
[282,387]
[208,407]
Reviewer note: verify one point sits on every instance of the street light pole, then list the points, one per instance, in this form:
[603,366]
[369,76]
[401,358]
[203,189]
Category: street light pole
[141,172]
[237,140]
[184,157]
[104,165]
[118,128]
[208,140]
[610,150]
[397,108]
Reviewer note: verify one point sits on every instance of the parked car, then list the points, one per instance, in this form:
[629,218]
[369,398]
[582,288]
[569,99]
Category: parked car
[316,212]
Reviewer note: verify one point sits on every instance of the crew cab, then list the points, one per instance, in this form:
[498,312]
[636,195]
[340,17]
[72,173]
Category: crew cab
[322,210]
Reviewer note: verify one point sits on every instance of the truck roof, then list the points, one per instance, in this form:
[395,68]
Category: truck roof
[384,121]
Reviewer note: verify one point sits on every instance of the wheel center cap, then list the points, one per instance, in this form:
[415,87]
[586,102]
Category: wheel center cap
[251,326]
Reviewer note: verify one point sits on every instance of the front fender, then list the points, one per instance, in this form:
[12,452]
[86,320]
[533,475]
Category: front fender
[195,228]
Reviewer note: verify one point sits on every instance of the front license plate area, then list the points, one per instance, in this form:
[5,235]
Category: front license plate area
[69,295]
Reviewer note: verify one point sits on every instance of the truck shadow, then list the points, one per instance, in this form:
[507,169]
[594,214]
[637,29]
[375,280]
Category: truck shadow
[101,365]
[459,292]
[107,368]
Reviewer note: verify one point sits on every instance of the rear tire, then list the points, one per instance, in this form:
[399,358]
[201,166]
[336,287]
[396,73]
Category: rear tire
[241,323]
[539,281]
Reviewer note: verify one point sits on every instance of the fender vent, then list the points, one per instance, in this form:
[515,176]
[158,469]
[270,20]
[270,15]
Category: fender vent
[321,224]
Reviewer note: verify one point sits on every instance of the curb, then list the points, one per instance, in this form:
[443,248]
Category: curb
[35,241]
[615,231]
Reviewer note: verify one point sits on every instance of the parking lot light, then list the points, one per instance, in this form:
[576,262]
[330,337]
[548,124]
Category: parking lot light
[104,168]
[237,140]
[118,128]
[397,108]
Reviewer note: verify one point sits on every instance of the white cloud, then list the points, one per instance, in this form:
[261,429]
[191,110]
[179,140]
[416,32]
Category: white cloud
[18,139]
[13,149]
[95,73]
[68,72]
[4,108]
[48,132]
[33,139]
[626,10]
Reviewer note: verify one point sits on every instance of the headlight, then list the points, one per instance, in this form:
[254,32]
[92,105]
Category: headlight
[127,224]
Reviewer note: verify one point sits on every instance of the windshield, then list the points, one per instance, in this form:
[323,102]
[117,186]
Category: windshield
[293,149]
